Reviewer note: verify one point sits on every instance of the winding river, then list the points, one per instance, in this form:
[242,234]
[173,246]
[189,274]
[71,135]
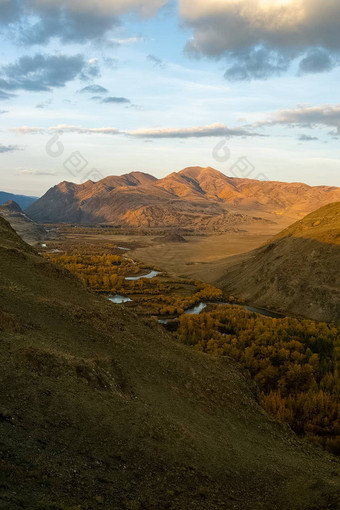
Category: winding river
[196,310]
[150,275]
[264,312]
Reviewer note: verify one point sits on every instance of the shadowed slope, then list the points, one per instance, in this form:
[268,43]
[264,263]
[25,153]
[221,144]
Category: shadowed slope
[30,231]
[102,410]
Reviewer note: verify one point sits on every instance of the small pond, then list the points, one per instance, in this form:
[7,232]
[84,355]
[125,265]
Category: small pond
[118,300]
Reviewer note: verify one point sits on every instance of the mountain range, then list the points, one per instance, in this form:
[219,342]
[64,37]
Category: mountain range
[297,271]
[196,198]
[22,200]
[101,409]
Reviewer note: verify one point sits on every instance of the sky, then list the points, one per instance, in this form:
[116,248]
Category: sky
[90,89]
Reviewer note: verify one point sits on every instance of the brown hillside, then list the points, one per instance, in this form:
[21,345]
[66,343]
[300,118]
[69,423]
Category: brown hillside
[297,272]
[101,410]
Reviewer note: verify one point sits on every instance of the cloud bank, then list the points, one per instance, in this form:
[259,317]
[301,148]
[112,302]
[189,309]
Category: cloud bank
[64,128]
[214,130]
[43,72]
[261,38]
[4,96]
[306,116]
[70,20]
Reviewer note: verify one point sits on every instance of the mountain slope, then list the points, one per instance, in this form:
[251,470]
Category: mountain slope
[200,198]
[30,231]
[101,410]
[297,272]
[294,200]
[137,200]
[23,200]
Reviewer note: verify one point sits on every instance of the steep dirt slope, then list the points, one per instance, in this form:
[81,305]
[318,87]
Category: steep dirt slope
[101,410]
[196,197]
[297,272]
[30,231]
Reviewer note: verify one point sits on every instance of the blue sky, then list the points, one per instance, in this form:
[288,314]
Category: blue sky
[179,79]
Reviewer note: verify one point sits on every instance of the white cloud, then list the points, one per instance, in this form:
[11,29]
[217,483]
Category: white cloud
[64,128]
[196,131]
[36,172]
[284,29]
[105,7]
[214,130]
[70,20]
[41,72]
[310,116]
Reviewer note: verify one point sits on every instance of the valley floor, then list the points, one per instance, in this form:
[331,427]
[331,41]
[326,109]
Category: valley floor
[296,374]
[204,257]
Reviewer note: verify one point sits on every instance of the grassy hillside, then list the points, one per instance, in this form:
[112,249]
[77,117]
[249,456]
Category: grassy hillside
[101,410]
[322,225]
[297,271]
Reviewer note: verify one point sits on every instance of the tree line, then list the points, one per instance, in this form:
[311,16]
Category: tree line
[107,272]
[295,363]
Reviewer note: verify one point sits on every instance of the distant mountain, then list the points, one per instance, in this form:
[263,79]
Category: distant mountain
[196,197]
[297,271]
[23,200]
[101,409]
[293,200]
[27,229]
